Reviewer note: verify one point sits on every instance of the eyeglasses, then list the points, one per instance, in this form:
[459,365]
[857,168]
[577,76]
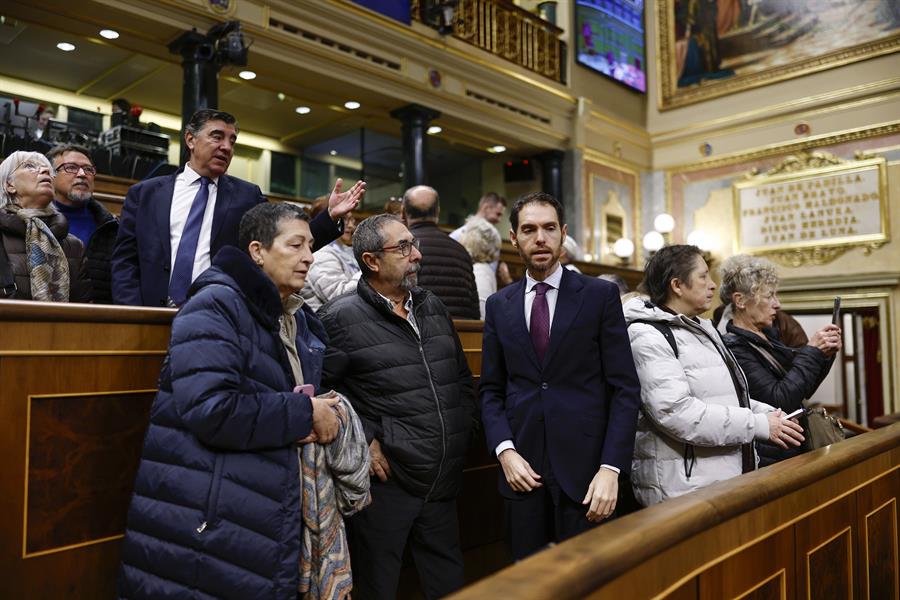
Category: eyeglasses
[404,248]
[33,167]
[73,168]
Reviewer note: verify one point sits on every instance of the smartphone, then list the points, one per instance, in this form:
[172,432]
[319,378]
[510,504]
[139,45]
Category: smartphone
[307,388]
[796,413]
[836,312]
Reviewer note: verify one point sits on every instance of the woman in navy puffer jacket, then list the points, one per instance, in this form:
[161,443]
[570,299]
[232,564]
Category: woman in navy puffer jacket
[216,505]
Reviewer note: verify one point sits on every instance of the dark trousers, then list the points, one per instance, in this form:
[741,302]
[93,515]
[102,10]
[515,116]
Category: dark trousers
[542,516]
[379,533]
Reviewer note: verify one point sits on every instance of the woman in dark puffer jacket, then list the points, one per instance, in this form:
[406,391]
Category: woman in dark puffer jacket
[777,374]
[46,263]
[216,505]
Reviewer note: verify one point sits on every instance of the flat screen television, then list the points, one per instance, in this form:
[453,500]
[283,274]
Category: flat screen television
[609,38]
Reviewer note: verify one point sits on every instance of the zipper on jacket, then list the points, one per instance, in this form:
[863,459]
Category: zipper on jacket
[437,403]
[689,460]
[213,497]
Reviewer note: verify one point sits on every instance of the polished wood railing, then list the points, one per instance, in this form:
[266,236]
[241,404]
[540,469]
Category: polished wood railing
[505,30]
[76,385]
[821,525]
[77,382]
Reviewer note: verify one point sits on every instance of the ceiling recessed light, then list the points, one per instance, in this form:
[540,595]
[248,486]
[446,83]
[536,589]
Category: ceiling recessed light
[302,110]
[333,153]
[497,149]
[434,130]
[280,96]
[248,75]
[65,46]
[352,104]
[110,34]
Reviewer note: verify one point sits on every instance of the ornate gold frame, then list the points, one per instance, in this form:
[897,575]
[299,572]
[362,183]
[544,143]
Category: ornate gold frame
[588,209]
[805,166]
[670,96]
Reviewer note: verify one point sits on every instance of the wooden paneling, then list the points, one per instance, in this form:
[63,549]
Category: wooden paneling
[764,570]
[754,536]
[825,551]
[879,538]
[83,452]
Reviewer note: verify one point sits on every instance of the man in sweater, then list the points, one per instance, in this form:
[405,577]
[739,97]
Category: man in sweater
[88,220]
[446,267]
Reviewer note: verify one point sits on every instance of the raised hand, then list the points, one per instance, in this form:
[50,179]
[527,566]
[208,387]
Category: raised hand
[340,203]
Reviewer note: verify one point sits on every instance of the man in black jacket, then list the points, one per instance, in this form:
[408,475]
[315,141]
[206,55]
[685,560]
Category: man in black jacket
[395,354]
[89,220]
[446,266]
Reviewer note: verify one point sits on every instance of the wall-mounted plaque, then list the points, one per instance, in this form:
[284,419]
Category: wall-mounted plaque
[812,208]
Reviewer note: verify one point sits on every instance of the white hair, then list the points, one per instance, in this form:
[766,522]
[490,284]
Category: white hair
[481,239]
[10,164]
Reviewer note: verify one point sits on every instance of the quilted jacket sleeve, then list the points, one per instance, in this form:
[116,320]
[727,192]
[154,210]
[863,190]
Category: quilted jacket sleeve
[222,388]
[669,402]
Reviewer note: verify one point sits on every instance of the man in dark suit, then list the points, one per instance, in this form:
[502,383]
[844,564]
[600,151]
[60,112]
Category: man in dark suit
[559,392]
[172,226]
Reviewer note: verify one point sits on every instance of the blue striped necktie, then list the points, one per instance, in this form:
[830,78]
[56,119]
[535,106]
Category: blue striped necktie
[187,247]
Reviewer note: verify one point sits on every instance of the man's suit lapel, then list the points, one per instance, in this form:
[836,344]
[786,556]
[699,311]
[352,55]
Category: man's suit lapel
[568,303]
[224,195]
[162,207]
[515,315]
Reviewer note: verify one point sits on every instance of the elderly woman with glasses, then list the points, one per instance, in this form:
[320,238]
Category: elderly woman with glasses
[777,374]
[39,259]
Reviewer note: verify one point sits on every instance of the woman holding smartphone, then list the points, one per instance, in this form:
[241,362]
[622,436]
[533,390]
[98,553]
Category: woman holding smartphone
[777,374]
[217,510]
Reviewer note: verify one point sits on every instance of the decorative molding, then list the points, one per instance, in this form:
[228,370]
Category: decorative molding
[829,139]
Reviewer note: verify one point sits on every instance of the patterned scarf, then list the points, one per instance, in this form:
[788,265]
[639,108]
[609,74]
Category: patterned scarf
[335,482]
[48,267]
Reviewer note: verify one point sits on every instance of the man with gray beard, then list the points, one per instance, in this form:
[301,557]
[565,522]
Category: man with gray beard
[89,220]
[395,355]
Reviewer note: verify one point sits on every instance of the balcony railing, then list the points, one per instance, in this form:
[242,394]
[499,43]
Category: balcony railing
[505,30]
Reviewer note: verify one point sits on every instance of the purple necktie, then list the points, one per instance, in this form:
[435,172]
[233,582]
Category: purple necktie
[187,247]
[540,320]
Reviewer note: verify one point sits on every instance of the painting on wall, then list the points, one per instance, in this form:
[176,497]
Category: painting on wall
[709,48]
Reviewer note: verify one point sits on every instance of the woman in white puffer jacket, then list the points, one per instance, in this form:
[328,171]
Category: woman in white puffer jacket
[697,423]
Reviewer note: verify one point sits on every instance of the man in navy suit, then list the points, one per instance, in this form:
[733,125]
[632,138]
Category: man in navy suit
[559,392]
[172,226]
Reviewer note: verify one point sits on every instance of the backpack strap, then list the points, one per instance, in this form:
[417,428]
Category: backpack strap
[664,328]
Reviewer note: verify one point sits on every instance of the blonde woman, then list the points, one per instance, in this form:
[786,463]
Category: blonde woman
[482,241]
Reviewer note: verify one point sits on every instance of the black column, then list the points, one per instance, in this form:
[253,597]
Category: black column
[415,120]
[551,173]
[200,82]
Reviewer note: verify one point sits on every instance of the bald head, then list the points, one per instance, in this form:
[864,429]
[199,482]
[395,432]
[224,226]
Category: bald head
[421,203]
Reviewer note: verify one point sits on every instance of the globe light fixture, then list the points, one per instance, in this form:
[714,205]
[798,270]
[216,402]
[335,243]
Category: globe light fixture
[623,248]
[653,241]
[664,223]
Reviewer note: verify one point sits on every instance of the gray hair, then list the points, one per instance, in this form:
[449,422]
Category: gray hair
[481,239]
[368,237]
[11,163]
[203,116]
[262,223]
[748,275]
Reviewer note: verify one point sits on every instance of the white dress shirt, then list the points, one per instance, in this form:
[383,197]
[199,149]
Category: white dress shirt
[187,184]
[553,280]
